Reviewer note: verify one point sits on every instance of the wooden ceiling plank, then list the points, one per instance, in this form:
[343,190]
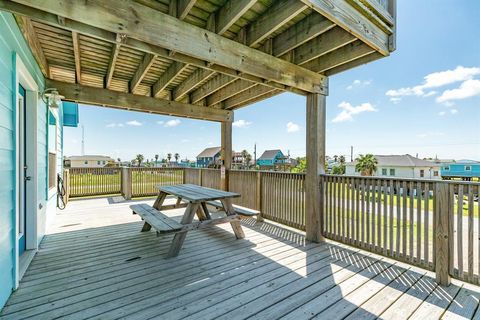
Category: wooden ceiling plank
[128,101]
[30,35]
[142,70]
[228,91]
[191,83]
[210,87]
[184,7]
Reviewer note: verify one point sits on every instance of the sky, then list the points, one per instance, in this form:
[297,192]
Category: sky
[424,99]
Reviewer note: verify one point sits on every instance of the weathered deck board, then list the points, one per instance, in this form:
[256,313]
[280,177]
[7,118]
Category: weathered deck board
[94,263]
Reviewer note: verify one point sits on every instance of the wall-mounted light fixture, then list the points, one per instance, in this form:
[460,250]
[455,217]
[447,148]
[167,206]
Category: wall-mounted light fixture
[51,97]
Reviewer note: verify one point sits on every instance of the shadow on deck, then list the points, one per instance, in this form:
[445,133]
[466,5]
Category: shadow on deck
[96,263]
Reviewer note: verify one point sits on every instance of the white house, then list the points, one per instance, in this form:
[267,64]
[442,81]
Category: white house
[89,161]
[400,166]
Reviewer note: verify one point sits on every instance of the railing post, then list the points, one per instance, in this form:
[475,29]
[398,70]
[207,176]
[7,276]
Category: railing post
[258,196]
[66,184]
[199,177]
[442,222]
[126,183]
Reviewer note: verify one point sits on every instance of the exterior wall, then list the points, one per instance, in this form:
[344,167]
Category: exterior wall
[90,164]
[271,162]
[458,170]
[204,162]
[12,44]
[400,172]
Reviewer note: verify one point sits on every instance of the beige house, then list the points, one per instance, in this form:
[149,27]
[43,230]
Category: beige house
[400,166]
[88,161]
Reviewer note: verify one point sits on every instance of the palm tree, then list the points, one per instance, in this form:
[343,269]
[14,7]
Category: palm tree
[248,159]
[245,154]
[335,158]
[139,158]
[341,159]
[156,159]
[176,156]
[169,156]
[366,164]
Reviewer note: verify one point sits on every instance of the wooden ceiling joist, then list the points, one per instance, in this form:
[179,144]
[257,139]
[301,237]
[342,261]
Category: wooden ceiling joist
[128,101]
[30,35]
[230,13]
[167,77]
[148,60]
[112,62]
[212,85]
[194,80]
[184,7]
[76,53]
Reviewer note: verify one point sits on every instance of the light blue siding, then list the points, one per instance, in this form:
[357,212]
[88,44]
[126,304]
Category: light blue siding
[12,43]
[458,170]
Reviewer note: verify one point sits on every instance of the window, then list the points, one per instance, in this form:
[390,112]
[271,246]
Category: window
[98,162]
[384,172]
[422,173]
[103,162]
[435,173]
[392,172]
[468,168]
[447,168]
[86,162]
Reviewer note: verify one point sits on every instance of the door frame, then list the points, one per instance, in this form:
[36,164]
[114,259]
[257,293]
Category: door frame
[23,77]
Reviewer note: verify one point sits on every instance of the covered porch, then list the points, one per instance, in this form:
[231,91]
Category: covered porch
[94,262]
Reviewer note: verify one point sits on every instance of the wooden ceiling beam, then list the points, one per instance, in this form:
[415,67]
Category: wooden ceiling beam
[128,101]
[210,87]
[167,77]
[192,82]
[343,14]
[184,7]
[301,32]
[30,35]
[354,63]
[105,35]
[76,54]
[229,14]
[228,91]
[247,96]
[147,62]
[113,60]
[274,18]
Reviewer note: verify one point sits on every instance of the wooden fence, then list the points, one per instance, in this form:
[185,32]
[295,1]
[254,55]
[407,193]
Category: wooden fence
[144,180]
[93,181]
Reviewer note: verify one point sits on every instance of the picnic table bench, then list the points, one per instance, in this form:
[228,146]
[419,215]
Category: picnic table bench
[195,199]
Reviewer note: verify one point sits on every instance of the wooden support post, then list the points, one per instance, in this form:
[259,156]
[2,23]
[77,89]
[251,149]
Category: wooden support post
[259,196]
[199,177]
[126,178]
[314,202]
[442,216]
[226,154]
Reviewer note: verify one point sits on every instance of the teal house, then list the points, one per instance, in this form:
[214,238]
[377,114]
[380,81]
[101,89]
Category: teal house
[462,169]
[31,152]
[271,158]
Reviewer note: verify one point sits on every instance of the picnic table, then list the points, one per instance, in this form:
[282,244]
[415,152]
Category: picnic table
[195,199]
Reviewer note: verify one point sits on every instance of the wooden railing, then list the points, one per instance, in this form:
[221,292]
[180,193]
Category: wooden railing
[93,181]
[428,223]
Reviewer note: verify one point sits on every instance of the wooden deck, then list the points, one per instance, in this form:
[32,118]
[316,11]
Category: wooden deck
[95,263]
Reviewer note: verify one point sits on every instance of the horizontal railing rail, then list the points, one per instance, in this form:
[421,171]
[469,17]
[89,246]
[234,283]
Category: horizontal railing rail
[93,181]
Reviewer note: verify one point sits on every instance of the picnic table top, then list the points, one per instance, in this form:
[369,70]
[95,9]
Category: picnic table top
[195,193]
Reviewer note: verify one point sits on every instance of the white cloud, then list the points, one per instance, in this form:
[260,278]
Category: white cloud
[441,113]
[134,123]
[453,111]
[348,111]
[467,89]
[292,127]
[160,122]
[395,100]
[172,123]
[359,83]
[241,124]
[120,125]
[435,80]
[111,125]
[185,140]
[430,134]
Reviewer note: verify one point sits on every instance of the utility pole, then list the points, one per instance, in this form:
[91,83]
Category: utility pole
[351,154]
[255,154]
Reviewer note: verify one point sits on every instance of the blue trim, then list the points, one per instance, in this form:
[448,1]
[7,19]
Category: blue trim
[70,114]
[15,172]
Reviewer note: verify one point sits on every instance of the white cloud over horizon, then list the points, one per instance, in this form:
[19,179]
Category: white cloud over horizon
[172,123]
[467,89]
[436,80]
[241,123]
[134,123]
[359,83]
[349,111]
[292,127]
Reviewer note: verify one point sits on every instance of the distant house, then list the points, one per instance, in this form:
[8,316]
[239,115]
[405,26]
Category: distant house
[209,157]
[89,161]
[271,159]
[400,166]
[462,169]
